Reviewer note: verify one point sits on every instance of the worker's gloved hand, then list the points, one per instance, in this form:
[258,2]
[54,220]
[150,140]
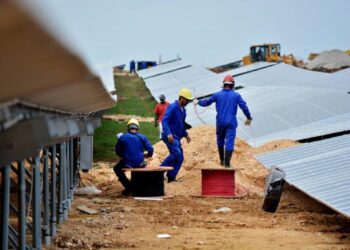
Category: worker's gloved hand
[170,138]
[195,101]
[248,121]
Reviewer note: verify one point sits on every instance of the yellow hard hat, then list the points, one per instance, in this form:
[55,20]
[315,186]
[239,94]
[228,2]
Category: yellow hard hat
[133,121]
[186,93]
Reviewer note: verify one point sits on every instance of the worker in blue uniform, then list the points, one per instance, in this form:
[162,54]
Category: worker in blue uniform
[227,101]
[130,148]
[174,130]
[132,67]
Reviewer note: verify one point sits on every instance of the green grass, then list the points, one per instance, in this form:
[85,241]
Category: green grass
[133,99]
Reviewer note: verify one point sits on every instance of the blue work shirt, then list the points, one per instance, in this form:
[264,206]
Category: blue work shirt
[226,101]
[130,148]
[174,121]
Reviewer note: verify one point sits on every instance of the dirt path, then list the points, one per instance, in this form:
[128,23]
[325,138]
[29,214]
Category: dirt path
[299,223]
[122,118]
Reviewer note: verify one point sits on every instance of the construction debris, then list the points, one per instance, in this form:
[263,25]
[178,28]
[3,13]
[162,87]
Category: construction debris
[163,236]
[87,190]
[222,210]
[330,61]
[87,210]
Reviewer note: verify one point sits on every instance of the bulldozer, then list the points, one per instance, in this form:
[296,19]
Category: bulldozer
[267,52]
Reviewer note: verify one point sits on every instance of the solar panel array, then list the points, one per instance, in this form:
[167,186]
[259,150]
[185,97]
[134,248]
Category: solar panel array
[285,113]
[248,68]
[199,80]
[162,69]
[286,102]
[287,75]
[320,169]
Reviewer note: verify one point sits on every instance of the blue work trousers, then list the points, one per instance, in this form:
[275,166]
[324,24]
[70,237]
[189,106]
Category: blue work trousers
[225,136]
[174,159]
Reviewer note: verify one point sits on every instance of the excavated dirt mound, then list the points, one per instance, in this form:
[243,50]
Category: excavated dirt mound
[190,220]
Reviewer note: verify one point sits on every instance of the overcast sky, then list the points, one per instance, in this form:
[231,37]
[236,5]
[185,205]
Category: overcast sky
[202,32]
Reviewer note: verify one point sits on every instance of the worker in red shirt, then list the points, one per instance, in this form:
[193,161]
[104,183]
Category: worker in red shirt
[159,111]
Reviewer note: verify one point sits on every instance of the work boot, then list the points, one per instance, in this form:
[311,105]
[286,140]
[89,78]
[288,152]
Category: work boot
[228,156]
[171,179]
[221,154]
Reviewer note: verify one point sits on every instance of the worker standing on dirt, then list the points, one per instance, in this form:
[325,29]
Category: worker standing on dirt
[132,67]
[159,111]
[174,130]
[227,101]
[130,148]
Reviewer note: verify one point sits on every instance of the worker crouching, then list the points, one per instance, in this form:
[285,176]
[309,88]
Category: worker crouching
[130,148]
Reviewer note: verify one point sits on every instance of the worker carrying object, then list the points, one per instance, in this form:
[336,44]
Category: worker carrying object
[173,130]
[130,148]
[159,111]
[227,101]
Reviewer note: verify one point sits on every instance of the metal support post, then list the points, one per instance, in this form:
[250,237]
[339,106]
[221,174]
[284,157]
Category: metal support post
[53,193]
[5,205]
[68,175]
[61,184]
[75,161]
[22,222]
[46,226]
[72,173]
[64,167]
[37,244]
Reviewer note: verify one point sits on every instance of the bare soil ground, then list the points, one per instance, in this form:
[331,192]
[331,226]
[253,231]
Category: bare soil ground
[190,220]
[122,118]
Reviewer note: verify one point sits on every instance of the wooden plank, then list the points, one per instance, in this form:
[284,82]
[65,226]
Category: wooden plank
[155,198]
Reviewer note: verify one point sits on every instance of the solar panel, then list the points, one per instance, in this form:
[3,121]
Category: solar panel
[287,75]
[286,102]
[247,69]
[199,80]
[285,113]
[162,69]
[320,169]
